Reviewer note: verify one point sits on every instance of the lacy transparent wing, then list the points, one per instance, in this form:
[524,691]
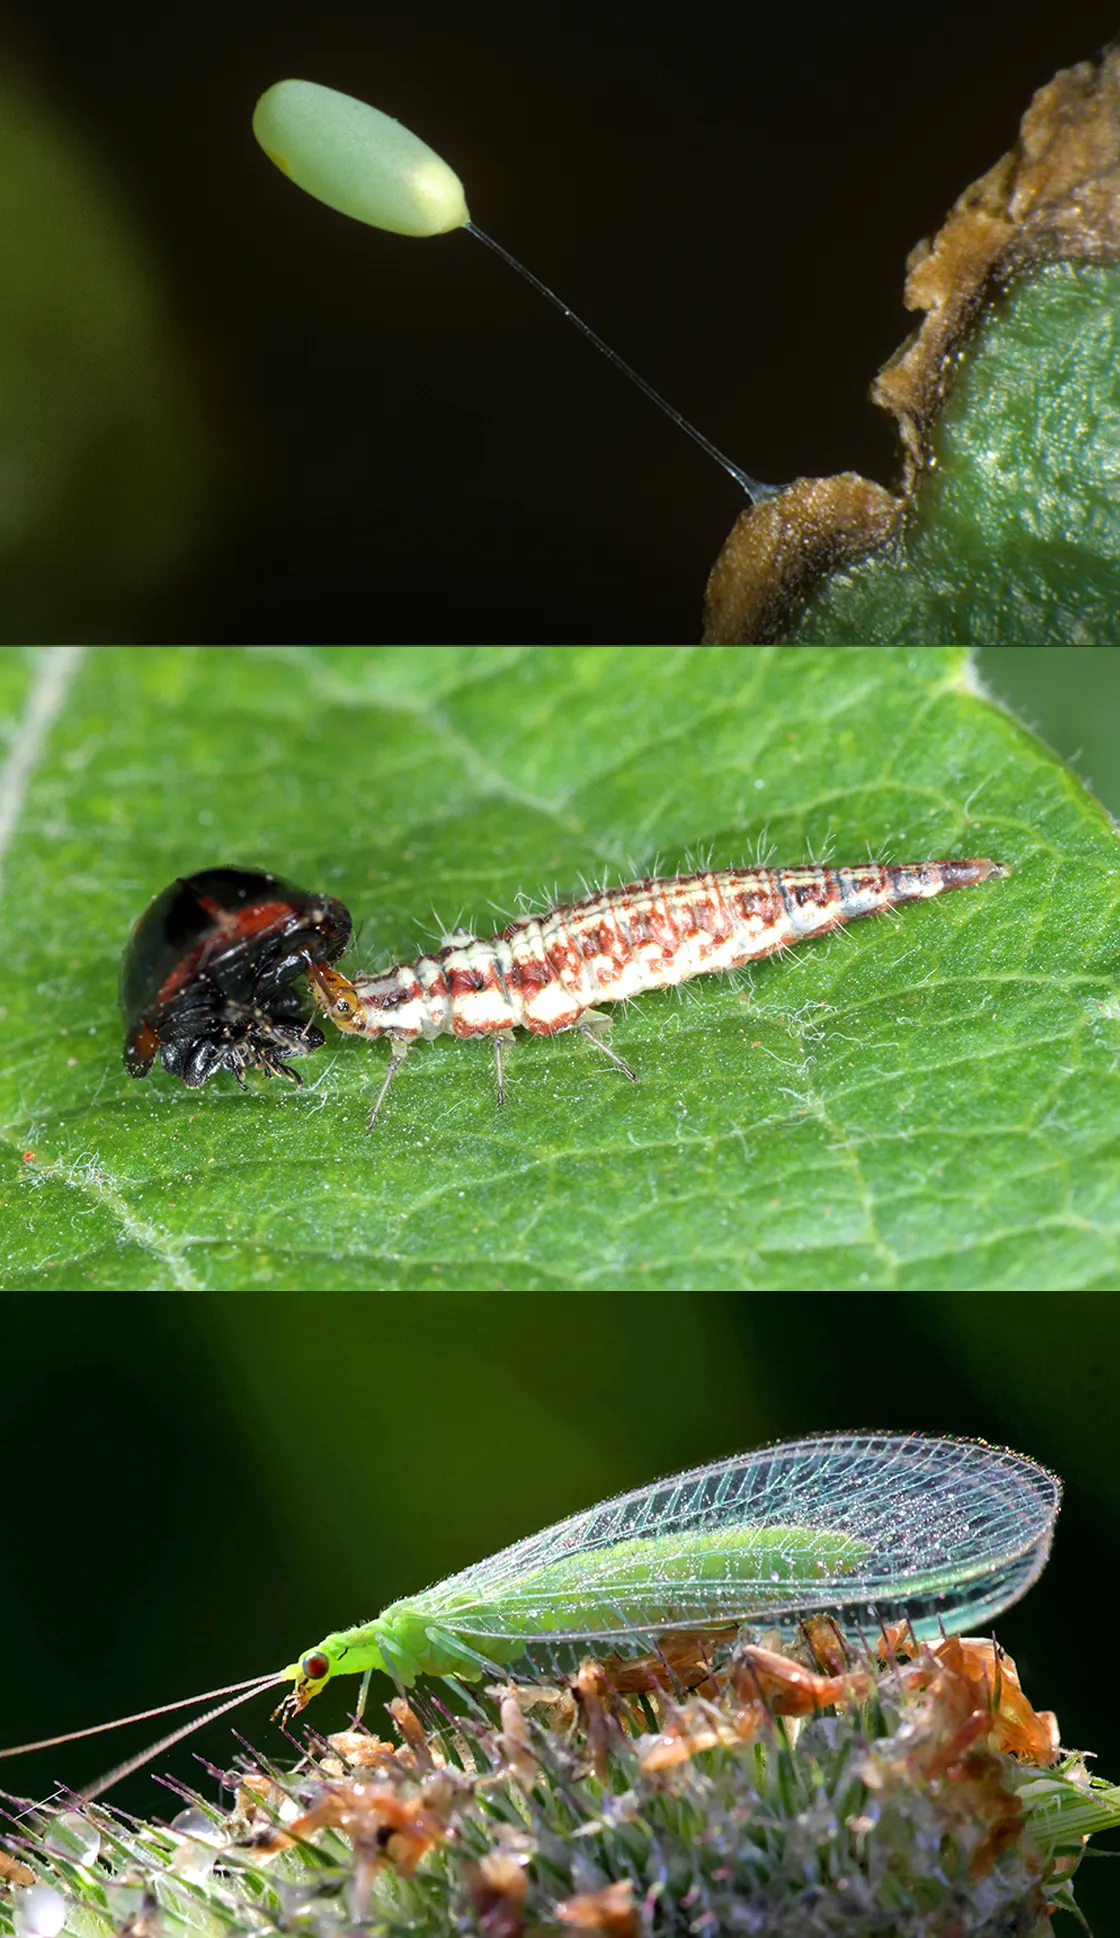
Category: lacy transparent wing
[873,1526]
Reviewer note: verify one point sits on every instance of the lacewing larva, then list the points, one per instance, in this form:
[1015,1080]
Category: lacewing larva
[546,973]
[874,1528]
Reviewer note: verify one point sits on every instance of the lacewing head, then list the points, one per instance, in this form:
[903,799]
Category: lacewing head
[337,997]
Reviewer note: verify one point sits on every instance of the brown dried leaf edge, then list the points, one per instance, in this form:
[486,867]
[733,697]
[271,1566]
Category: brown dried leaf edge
[1055,196]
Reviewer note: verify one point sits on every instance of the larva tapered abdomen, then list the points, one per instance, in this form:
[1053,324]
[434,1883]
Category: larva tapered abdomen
[547,973]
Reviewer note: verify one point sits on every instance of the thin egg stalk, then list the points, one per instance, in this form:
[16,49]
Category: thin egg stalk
[364,164]
[358,160]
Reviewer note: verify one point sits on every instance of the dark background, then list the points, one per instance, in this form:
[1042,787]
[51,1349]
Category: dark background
[198,1486]
[415,448]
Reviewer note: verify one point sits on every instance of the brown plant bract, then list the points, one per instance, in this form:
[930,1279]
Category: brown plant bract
[353,1747]
[383,1826]
[514,1741]
[1053,197]
[830,1649]
[511,1825]
[989,1673]
[974,1708]
[13,1872]
[608,1911]
[384,1822]
[680,1661]
[497,1884]
[412,1729]
[973,1705]
[598,1706]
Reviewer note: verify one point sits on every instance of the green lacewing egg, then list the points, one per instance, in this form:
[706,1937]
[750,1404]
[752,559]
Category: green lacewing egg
[358,160]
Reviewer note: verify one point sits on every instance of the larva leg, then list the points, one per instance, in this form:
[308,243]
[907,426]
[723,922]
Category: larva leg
[499,1047]
[400,1051]
[594,1026]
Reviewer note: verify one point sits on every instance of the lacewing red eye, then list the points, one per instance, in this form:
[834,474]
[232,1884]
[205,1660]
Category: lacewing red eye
[315,1667]
[547,972]
[208,976]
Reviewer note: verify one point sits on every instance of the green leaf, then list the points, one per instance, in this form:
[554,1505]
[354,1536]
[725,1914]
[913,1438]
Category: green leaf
[1015,532]
[920,1101]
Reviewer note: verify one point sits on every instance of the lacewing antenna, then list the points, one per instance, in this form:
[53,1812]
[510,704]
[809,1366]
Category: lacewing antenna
[138,1761]
[251,1683]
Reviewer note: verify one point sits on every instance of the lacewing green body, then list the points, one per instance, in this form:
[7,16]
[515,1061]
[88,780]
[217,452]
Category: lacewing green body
[872,1528]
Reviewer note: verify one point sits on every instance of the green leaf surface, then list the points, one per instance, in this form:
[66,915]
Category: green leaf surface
[1015,534]
[925,1100]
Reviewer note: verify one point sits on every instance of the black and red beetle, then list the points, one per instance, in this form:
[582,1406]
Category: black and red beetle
[208,974]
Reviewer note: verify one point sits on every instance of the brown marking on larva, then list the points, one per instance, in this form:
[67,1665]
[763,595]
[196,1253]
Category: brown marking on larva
[722,914]
[544,973]
[432,977]
[678,922]
[408,987]
[565,958]
[551,1010]
[474,979]
[761,910]
[613,944]
[817,893]
[530,971]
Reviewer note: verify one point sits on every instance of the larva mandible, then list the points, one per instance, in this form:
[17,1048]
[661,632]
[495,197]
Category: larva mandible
[546,973]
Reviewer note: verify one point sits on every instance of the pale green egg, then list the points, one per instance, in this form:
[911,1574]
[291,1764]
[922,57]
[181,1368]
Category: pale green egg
[358,160]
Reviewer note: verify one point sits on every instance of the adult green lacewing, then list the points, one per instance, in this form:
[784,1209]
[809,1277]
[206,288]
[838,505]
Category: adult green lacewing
[873,1528]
